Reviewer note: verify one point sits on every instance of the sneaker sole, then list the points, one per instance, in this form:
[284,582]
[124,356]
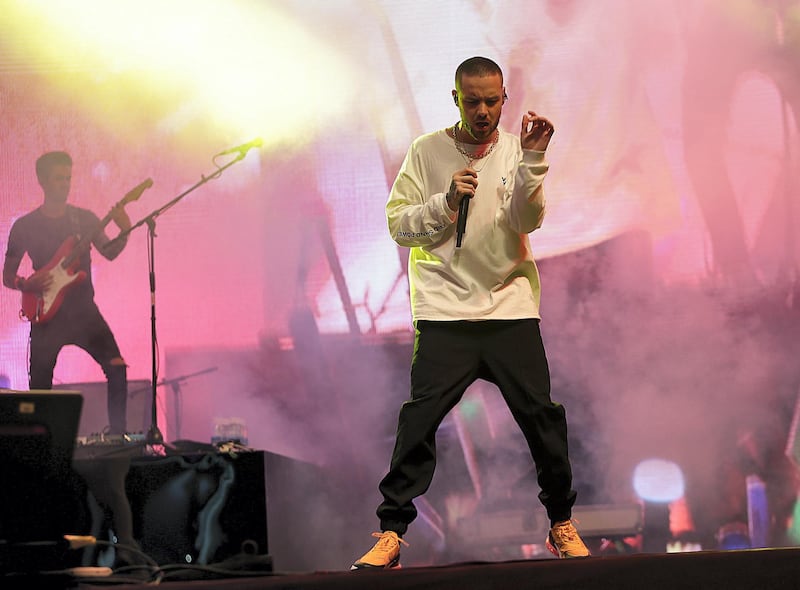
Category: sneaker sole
[551,548]
[366,566]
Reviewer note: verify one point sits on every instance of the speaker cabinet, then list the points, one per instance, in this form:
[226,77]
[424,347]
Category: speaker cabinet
[198,508]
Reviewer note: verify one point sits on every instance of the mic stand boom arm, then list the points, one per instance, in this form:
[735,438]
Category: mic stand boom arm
[154,435]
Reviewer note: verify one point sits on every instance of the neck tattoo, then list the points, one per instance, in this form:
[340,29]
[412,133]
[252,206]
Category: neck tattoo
[482,151]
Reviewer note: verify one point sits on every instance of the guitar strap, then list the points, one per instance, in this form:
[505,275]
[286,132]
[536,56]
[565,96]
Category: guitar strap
[74,222]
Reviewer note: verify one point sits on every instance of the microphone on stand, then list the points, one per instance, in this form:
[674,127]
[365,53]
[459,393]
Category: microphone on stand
[244,148]
[461,222]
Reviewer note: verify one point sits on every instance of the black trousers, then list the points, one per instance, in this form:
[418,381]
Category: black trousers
[448,358]
[85,327]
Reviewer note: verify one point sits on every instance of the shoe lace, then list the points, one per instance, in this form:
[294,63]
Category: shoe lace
[387,541]
[565,532]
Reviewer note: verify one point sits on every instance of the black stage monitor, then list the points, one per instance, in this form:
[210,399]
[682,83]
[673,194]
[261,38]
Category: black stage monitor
[41,497]
[39,427]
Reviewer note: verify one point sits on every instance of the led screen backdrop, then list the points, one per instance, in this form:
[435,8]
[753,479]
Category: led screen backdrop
[669,251]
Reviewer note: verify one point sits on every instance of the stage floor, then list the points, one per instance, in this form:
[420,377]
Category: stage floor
[752,569]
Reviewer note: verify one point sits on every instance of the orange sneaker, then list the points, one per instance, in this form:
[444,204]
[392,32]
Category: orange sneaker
[564,542]
[384,555]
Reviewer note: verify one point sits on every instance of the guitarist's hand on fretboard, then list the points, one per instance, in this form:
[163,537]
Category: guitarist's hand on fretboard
[120,217]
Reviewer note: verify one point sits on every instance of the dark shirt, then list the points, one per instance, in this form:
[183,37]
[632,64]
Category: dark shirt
[40,237]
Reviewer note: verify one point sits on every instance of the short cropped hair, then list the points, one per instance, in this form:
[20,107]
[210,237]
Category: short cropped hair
[47,161]
[477,66]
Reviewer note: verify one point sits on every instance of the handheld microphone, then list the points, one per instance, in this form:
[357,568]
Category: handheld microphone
[244,148]
[461,222]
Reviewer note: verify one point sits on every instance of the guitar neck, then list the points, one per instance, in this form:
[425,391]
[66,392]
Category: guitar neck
[85,242]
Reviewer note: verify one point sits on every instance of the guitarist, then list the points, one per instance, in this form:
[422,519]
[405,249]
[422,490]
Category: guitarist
[78,321]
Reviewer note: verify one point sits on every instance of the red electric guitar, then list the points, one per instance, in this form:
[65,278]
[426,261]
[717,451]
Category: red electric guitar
[39,308]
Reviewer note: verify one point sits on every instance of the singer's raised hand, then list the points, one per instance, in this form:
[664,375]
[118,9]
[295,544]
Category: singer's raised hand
[464,183]
[536,132]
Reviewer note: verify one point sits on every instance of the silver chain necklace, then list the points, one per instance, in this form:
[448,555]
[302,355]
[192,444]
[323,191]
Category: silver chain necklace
[472,158]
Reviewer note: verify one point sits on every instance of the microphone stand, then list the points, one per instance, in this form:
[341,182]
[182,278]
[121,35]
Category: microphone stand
[175,384]
[154,436]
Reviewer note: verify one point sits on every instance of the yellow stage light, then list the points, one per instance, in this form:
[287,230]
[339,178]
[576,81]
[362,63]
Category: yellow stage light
[236,69]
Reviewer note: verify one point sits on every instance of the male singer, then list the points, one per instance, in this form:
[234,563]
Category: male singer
[474,299]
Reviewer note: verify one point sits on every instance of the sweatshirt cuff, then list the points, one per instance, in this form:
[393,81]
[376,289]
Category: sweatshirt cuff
[534,158]
[449,213]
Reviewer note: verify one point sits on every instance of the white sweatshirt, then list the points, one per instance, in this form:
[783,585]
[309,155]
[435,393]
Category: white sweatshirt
[493,274]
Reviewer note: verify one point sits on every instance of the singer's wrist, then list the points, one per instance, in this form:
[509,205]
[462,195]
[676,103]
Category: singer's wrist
[19,283]
[451,196]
